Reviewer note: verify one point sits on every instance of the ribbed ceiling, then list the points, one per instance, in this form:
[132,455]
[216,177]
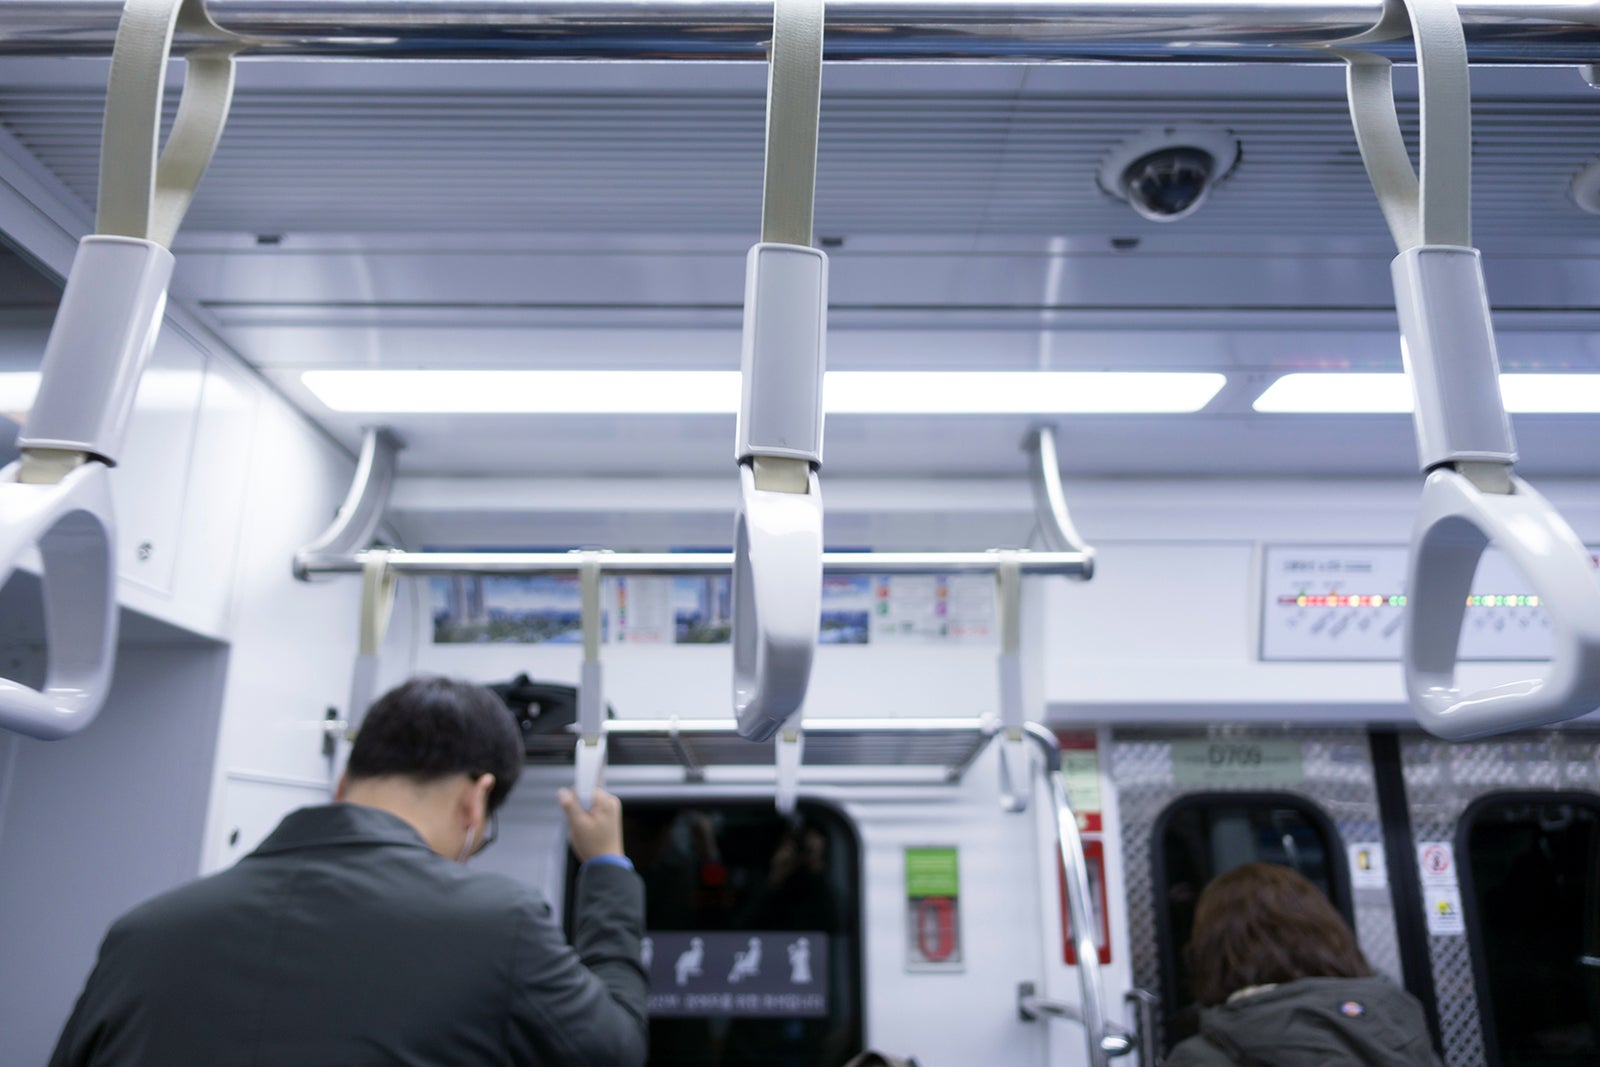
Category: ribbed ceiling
[675,162]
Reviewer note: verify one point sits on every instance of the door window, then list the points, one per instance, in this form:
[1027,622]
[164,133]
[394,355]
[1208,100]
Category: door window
[1533,901]
[1203,836]
[751,925]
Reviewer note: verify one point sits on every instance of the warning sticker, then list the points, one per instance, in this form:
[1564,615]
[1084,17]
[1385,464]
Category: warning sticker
[1368,868]
[1080,772]
[1444,911]
[933,909]
[1436,862]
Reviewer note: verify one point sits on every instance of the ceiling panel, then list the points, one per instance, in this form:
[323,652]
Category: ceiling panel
[906,160]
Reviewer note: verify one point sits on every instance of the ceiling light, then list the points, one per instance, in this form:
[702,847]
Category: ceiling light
[545,392]
[717,392]
[1550,394]
[1018,392]
[1337,393]
[1333,393]
[17,390]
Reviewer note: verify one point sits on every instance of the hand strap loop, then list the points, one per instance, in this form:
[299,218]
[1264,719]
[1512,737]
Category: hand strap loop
[142,194]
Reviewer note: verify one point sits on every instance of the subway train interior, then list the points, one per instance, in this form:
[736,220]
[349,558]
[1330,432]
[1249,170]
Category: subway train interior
[1212,473]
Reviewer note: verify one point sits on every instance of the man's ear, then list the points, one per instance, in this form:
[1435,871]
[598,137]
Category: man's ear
[477,797]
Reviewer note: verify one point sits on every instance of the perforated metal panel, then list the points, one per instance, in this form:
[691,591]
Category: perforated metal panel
[1442,780]
[1338,780]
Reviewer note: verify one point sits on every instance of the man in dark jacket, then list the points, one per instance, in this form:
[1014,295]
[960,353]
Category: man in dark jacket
[353,936]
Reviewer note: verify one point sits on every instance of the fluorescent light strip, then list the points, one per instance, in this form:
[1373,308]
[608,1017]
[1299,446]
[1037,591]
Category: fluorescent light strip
[717,392]
[17,390]
[1339,393]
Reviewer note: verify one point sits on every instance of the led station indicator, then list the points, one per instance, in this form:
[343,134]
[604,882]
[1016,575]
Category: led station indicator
[1340,600]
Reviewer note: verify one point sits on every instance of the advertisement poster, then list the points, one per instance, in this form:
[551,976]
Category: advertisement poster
[846,610]
[642,608]
[856,610]
[932,609]
[702,610]
[470,609]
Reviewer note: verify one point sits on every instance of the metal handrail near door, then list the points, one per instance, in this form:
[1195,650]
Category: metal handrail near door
[1105,1040]
[1187,31]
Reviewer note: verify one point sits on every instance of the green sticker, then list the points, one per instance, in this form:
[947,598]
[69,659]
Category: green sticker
[932,872]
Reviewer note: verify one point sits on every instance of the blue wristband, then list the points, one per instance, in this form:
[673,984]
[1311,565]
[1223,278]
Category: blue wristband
[609,860]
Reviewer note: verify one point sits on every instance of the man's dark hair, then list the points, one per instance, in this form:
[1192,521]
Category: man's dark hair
[1262,924]
[432,728]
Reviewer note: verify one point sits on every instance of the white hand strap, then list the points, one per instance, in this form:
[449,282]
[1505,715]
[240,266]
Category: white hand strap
[378,586]
[57,496]
[787,755]
[778,531]
[143,195]
[589,757]
[1016,769]
[1470,499]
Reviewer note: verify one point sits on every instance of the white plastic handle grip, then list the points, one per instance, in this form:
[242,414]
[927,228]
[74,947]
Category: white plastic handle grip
[72,523]
[590,759]
[1455,523]
[777,600]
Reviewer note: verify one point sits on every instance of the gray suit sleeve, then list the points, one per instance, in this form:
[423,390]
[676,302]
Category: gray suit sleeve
[583,1005]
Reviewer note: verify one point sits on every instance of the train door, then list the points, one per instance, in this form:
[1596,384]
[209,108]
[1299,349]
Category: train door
[899,906]
[752,923]
[1506,835]
[1197,803]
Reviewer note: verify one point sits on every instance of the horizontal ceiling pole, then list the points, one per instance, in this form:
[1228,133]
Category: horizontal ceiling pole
[691,564]
[1185,31]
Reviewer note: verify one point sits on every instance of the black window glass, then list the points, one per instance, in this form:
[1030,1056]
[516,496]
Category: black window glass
[1201,837]
[1534,870]
[753,926]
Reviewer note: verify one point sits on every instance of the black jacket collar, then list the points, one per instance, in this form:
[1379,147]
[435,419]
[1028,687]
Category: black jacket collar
[339,824]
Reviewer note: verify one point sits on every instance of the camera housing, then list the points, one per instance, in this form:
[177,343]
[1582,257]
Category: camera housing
[1165,175]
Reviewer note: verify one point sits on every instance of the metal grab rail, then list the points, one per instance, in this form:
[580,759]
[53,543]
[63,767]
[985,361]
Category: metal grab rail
[688,564]
[1186,31]
[1105,1040]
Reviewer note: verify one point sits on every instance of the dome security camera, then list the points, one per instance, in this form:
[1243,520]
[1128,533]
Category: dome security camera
[1165,175]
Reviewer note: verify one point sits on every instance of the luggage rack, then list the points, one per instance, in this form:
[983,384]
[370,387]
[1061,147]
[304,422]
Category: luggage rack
[947,747]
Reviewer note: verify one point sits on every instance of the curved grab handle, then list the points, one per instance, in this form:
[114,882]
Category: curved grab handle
[72,523]
[777,599]
[1455,523]
[1104,1041]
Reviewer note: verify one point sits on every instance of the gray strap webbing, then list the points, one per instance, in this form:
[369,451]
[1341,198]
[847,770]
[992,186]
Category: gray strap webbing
[142,194]
[794,95]
[1438,209]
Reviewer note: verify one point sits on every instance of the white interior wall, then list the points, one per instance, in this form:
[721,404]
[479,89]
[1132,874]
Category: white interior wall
[223,675]
[95,824]
[1169,627]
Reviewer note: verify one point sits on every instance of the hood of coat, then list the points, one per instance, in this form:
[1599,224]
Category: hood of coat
[1323,1021]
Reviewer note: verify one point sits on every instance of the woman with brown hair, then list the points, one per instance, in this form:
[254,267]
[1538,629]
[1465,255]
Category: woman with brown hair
[1282,983]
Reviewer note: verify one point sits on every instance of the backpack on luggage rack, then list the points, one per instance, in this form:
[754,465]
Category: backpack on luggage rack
[545,714]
